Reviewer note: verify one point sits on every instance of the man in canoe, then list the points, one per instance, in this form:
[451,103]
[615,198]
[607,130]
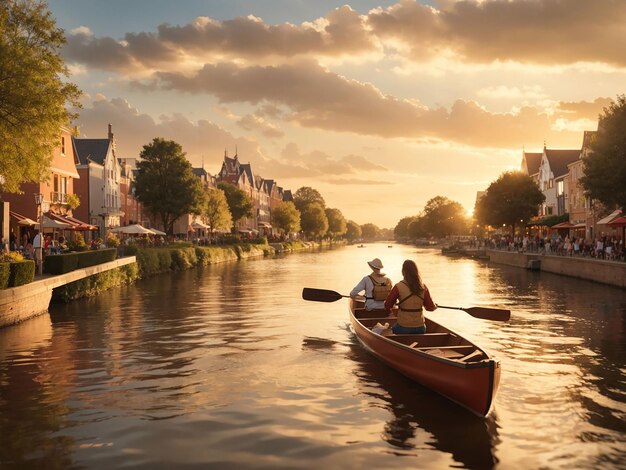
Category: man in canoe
[413,297]
[376,287]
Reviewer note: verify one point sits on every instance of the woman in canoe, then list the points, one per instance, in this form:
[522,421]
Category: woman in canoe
[412,296]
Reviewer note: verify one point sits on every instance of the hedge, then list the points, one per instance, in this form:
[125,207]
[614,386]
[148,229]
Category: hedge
[5,272]
[67,262]
[22,272]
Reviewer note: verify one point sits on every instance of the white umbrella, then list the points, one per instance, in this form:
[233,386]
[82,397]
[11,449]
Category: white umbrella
[134,229]
[157,232]
[27,221]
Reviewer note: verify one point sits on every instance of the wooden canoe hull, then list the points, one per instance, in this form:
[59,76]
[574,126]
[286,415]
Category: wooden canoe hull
[472,385]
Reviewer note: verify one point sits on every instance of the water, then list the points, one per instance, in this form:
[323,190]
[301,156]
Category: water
[227,367]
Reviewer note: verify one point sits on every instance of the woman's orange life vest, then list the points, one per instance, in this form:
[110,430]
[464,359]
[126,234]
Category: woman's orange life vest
[410,312]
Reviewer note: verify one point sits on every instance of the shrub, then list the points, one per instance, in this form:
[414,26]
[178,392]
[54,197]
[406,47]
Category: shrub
[113,241]
[77,243]
[5,272]
[22,272]
[67,262]
[230,239]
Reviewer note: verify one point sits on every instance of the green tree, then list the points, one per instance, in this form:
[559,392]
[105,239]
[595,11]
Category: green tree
[306,196]
[336,223]
[512,199]
[604,176]
[33,94]
[401,230]
[314,221]
[353,230]
[239,202]
[370,231]
[443,217]
[165,183]
[417,228]
[286,217]
[216,211]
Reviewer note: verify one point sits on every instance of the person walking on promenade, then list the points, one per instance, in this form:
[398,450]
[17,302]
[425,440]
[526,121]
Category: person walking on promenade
[412,296]
[376,286]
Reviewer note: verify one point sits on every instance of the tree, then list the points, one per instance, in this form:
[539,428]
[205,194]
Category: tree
[165,183]
[239,202]
[313,220]
[33,95]
[370,231]
[417,228]
[286,217]
[513,198]
[216,210]
[401,229]
[306,196]
[604,175]
[353,230]
[336,223]
[444,217]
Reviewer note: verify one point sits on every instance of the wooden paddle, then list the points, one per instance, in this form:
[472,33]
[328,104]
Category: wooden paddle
[485,313]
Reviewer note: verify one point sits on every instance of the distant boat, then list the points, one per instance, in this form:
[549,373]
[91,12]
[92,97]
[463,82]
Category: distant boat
[389,246]
[361,246]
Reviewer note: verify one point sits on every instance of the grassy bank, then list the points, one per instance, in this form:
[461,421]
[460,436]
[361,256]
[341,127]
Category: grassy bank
[153,261]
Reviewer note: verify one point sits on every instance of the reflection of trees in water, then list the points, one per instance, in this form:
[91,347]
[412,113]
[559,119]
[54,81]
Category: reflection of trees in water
[419,417]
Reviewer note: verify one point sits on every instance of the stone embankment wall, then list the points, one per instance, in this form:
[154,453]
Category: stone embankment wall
[606,272]
[23,302]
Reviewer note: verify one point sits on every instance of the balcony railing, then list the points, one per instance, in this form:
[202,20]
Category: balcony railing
[58,198]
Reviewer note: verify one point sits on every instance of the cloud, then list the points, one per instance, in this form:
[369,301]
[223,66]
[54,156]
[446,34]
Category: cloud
[584,109]
[546,32]
[251,122]
[133,130]
[356,181]
[318,98]
[541,31]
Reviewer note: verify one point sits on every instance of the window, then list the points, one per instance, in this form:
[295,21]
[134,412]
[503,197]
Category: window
[560,187]
[62,145]
[56,183]
[550,183]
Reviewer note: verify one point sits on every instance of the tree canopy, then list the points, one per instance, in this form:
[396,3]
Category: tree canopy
[336,223]
[306,196]
[444,217]
[353,230]
[216,210]
[314,221]
[239,202]
[370,231]
[165,183]
[33,95]
[512,199]
[286,217]
[604,176]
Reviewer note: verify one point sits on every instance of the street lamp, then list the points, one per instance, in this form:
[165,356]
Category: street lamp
[39,202]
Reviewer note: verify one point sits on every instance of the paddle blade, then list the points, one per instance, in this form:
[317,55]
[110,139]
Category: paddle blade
[321,295]
[486,313]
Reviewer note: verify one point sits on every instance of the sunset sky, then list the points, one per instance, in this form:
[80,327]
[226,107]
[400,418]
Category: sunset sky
[378,105]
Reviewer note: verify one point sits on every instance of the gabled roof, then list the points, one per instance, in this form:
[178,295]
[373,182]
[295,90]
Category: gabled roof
[95,150]
[200,172]
[287,196]
[246,168]
[532,162]
[559,159]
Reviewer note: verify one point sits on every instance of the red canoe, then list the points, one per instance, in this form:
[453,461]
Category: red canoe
[439,359]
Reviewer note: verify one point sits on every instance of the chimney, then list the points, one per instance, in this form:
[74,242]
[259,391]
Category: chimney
[110,132]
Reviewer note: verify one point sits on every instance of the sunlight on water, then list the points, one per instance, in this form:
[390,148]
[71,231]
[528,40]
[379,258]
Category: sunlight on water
[227,366]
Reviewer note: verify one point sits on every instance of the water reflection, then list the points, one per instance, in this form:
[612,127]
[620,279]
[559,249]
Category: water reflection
[227,366]
[419,418]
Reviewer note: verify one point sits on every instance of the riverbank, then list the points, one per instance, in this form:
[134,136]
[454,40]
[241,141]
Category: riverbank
[605,272]
[21,303]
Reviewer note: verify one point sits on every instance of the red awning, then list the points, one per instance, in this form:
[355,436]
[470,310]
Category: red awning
[619,222]
[21,219]
[74,223]
[563,225]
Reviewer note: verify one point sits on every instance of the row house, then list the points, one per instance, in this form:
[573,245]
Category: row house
[53,205]
[131,208]
[100,178]
[558,173]
[265,193]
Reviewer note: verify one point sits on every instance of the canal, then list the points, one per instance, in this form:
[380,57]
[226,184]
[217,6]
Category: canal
[227,367]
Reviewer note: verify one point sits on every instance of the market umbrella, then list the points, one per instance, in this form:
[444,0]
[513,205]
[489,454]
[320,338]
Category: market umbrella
[157,232]
[135,229]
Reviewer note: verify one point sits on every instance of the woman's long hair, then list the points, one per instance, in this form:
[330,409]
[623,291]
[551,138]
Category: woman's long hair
[412,277]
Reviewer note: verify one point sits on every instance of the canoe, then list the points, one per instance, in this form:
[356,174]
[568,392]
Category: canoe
[440,359]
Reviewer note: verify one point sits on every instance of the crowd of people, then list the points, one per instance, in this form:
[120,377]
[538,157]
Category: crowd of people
[605,247]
